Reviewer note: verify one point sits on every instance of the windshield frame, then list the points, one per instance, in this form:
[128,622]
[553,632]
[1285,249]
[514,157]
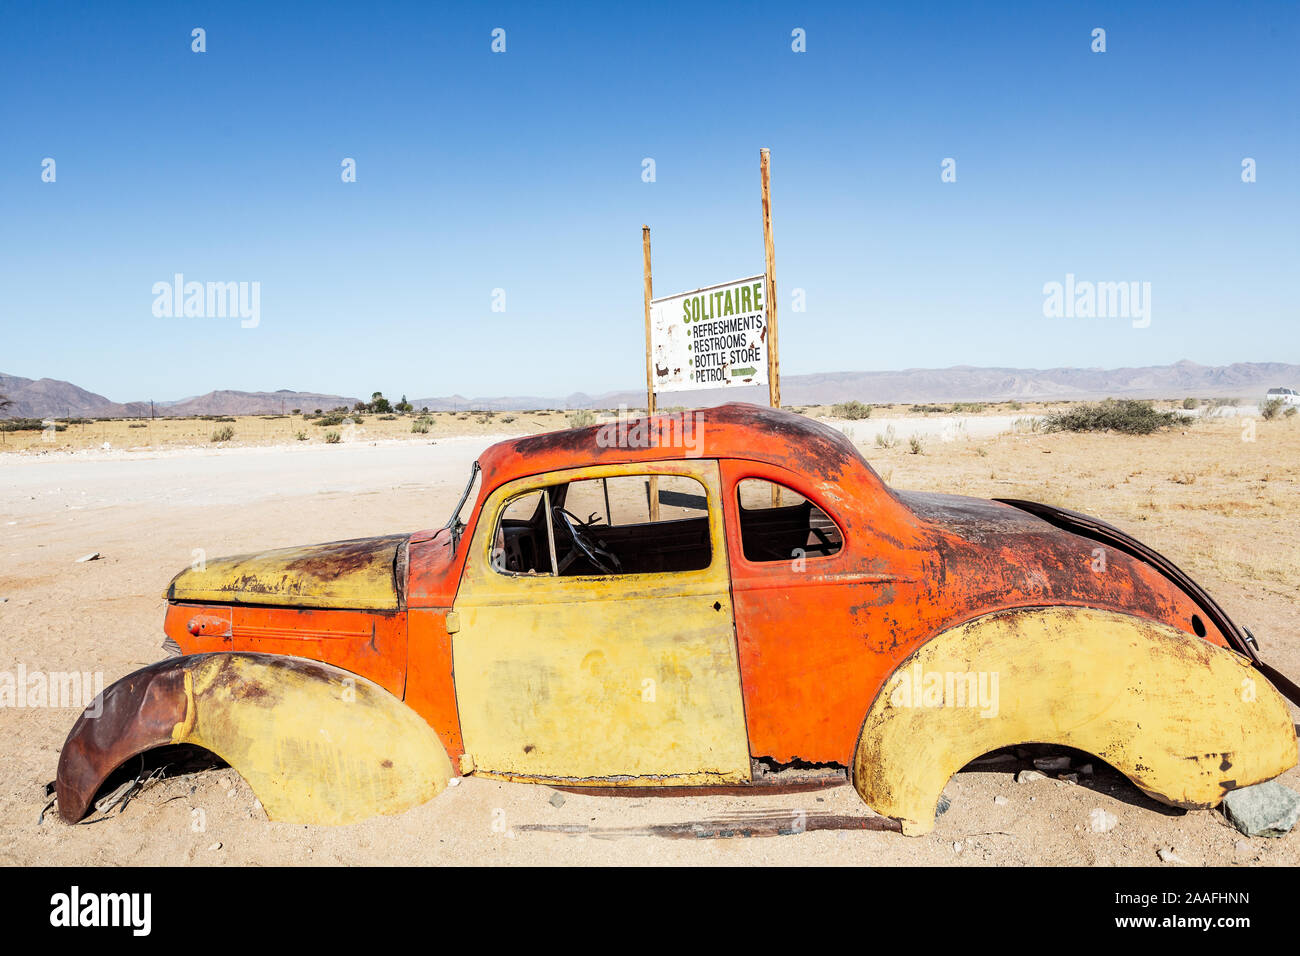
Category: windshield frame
[454,524]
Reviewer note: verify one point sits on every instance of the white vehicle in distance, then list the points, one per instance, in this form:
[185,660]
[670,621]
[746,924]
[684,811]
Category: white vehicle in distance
[1289,396]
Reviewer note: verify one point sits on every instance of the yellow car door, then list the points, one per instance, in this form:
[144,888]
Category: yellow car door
[629,678]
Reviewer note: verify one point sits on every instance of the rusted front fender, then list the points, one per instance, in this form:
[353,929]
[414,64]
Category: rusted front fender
[317,744]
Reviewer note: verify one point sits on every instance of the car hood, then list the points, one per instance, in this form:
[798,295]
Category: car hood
[361,573]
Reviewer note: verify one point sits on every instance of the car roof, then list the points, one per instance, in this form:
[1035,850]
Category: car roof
[734,430]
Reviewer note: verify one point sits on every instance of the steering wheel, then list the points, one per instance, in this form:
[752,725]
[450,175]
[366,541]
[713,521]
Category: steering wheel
[582,545]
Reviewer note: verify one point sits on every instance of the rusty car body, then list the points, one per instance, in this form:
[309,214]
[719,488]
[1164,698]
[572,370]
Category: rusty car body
[788,610]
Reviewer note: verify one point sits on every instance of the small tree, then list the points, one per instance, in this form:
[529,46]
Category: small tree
[404,406]
[379,405]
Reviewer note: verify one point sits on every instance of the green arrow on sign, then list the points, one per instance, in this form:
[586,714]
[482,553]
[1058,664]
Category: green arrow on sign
[743,371]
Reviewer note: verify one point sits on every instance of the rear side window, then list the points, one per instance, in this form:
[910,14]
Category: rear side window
[778,524]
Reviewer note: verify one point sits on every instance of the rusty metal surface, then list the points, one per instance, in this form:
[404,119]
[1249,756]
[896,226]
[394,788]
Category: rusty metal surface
[361,573]
[734,430]
[1105,533]
[742,825]
[139,713]
[316,743]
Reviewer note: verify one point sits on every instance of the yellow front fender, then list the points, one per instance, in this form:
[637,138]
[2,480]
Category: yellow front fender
[316,744]
[1185,720]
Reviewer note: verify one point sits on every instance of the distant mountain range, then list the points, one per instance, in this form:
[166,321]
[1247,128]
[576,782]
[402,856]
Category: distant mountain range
[960,383]
[50,398]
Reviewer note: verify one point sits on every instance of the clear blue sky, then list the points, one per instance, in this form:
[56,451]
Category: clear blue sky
[522,171]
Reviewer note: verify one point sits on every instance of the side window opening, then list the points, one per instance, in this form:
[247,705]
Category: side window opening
[778,524]
[606,526]
[522,544]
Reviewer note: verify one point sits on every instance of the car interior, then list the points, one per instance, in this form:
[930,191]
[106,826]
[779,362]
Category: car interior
[787,531]
[603,526]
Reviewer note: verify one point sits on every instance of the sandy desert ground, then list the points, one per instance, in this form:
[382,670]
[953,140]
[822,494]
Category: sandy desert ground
[1227,510]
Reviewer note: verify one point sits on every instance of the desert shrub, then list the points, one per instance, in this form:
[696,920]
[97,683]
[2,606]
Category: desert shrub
[970,408]
[388,418]
[420,427]
[887,438]
[510,418]
[1272,408]
[30,425]
[1290,411]
[301,436]
[223,434]
[927,409]
[137,425]
[852,410]
[582,418]
[1128,416]
[914,445]
[1190,403]
[334,418]
[333,438]
[1015,406]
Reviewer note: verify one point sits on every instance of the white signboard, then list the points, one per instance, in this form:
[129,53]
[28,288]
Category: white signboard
[714,337]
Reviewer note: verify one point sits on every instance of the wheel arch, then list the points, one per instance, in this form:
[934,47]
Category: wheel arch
[1186,721]
[317,744]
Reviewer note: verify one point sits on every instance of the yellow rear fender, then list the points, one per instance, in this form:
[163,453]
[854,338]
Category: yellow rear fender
[317,744]
[1186,721]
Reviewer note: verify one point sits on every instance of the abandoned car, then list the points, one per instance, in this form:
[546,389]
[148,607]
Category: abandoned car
[633,606]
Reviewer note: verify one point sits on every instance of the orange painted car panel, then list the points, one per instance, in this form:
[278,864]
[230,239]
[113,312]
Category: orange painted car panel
[371,644]
[430,688]
[818,638]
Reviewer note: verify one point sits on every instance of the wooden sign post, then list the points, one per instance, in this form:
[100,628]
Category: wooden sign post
[649,361]
[713,337]
[773,362]
[649,294]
